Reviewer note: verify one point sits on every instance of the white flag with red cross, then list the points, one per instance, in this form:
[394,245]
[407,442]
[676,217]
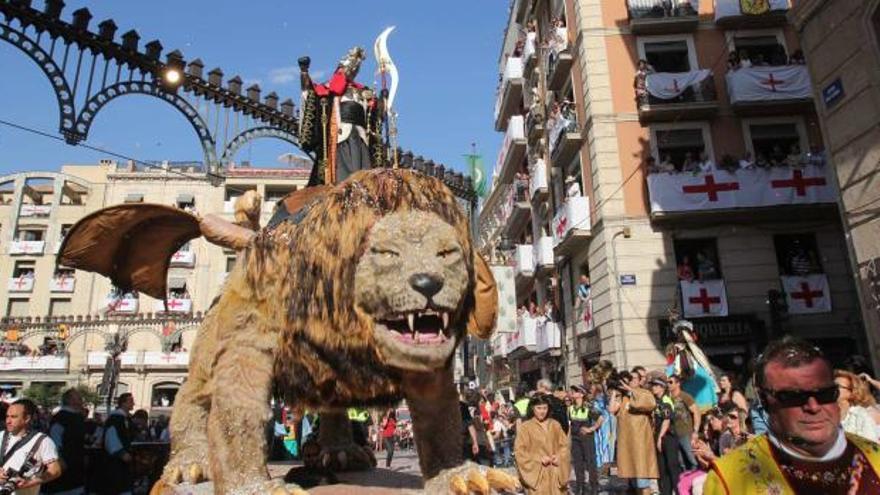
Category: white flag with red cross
[703,299]
[807,294]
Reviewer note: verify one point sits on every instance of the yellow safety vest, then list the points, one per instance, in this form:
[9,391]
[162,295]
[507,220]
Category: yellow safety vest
[522,406]
[579,413]
[359,415]
[751,469]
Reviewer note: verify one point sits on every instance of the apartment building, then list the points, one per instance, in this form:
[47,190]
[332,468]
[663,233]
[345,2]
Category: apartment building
[57,322]
[661,159]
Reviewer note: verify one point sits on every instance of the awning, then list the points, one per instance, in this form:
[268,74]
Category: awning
[176,283]
[134,198]
[185,198]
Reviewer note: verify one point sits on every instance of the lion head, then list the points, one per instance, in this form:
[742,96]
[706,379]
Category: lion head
[375,278]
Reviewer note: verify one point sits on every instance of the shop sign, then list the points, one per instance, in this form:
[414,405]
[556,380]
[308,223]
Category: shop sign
[721,330]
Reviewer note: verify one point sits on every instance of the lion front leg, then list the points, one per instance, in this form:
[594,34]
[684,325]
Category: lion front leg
[240,384]
[337,450]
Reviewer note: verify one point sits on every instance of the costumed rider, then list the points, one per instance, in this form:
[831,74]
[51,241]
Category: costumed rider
[68,431]
[686,360]
[117,445]
[29,457]
[341,121]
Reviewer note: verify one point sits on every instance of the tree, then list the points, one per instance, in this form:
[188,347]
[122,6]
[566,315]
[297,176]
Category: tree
[48,395]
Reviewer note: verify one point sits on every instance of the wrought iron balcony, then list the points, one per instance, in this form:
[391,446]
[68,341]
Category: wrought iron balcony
[534,126]
[549,337]
[123,305]
[558,68]
[174,305]
[32,248]
[571,226]
[538,189]
[519,208]
[524,266]
[731,14]
[141,359]
[57,363]
[771,90]
[525,340]
[663,16]
[678,96]
[20,284]
[513,150]
[509,98]
[544,256]
[565,139]
[185,259]
[62,284]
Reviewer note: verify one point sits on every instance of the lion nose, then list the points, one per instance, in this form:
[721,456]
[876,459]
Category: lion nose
[426,284]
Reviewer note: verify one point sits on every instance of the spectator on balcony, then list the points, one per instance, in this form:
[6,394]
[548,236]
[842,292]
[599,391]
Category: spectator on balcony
[518,48]
[795,158]
[583,288]
[666,165]
[685,271]
[706,269]
[690,165]
[685,8]
[572,188]
[746,162]
[797,58]
[705,163]
[777,156]
[651,166]
[640,84]
[533,309]
[745,61]
[733,61]
[762,161]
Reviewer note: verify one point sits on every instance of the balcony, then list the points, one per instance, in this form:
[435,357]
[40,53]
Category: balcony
[513,150]
[519,207]
[35,211]
[526,339]
[62,284]
[782,90]
[674,96]
[544,256]
[685,195]
[30,248]
[534,127]
[538,189]
[530,52]
[565,140]
[34,363]
[663,17]
[559,69]
[729,14]
[20,284]
[146,359]
[571,226]
[174,305]
[549,338]
[524,266]
[510,92]
[123,305]
[499,344]
[185,259]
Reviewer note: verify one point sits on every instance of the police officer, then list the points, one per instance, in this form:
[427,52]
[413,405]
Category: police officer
[585,420]
[360,424]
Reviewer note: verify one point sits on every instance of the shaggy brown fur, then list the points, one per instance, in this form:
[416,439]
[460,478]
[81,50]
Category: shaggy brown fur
[289,316]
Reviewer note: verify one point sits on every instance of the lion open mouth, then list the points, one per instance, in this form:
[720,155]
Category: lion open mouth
[427,327]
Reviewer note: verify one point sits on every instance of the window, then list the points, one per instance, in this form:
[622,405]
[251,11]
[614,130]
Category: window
[772,141]
[60,307]
[23,269]
[581,286]
[7,192]
[230,263]
[17,308]
[177,288]
[676,143]
[30,235]
[233,192]
[797,254]
[761,47]
[9,391]
[186,201]
[277,193]
[697,259]
[73,194]
[672,55]
[64,230]
[164,394]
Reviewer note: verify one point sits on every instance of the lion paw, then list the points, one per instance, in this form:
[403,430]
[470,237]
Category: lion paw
[469,479]
[183,471]
[347,458]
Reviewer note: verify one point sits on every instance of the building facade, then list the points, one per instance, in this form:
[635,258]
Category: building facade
[846,72]
[661,160]
[57,323]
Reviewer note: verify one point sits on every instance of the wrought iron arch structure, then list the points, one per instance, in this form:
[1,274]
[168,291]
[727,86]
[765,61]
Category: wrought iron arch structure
[249,135]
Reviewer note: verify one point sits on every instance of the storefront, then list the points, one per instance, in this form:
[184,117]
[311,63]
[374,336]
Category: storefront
[729,342]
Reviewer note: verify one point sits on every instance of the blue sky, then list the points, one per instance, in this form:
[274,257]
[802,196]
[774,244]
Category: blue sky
[446,53]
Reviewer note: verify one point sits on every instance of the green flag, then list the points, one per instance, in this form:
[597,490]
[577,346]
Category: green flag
[478,174]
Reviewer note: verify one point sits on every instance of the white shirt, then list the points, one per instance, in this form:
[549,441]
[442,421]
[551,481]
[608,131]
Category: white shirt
[46,453]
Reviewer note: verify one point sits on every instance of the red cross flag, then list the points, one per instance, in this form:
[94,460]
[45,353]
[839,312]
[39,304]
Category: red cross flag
[702,299]
[808,294]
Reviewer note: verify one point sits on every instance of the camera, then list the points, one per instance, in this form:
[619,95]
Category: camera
[9,486]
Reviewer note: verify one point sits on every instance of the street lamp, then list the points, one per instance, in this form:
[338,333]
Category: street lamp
[171,76]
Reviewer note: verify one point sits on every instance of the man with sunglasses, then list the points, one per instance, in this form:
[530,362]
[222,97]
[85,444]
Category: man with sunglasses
[805,450]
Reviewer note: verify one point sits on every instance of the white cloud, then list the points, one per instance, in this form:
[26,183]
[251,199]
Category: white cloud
[290,73]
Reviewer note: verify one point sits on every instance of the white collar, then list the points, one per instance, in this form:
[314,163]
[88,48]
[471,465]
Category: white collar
[836,450]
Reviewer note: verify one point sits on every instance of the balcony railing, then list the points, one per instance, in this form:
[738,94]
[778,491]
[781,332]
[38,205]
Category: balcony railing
[184,259]
[732,14]
[174,305]
[62,284]
[559,59]
[549,337]
[37,211]
[526,337]
[34,363]
[544,257]
[671,96]
[513,150]
[20,284]
[27,247]
[499,344]
[510,90]
[123,305]
[534,125]
[755,188]
[530,52]
[571,226]
[148,359]
[538,189]
[524,259]
[519,208]
[565,137]
[663,16]
[763,90]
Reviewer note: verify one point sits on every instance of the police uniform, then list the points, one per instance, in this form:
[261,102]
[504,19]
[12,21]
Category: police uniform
[583,446]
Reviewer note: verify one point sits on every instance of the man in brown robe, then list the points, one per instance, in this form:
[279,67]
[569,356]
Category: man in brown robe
[636,458]
[543,458]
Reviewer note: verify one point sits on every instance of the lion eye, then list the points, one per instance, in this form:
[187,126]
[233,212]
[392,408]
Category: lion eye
[386,253]
[445,253]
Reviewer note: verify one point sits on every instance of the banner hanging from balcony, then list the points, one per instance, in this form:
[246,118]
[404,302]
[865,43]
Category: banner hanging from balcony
[757,84]
[743,189]
[506,298]
[669,85]
[732,8]
[702,299]
[807,294]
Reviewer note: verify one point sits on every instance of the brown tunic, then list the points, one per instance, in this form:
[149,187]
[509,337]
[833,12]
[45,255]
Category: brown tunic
[636,456]
[534,441]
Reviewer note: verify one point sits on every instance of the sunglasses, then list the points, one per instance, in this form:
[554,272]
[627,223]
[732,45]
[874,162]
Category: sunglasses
[797,398]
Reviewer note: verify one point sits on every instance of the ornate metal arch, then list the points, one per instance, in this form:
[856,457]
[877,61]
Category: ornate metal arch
[255,133]
[66,107]
[126,333]
[148,88]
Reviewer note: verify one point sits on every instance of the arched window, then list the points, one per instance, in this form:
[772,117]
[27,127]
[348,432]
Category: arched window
[164,394]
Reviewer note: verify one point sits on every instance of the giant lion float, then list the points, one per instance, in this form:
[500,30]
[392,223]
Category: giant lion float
[359,297]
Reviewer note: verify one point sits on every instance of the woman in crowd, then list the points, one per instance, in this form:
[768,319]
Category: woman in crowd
[542,451]
[501,437]
[854,418]
[735,433]
[730,395]
[389,434]
[606,435]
